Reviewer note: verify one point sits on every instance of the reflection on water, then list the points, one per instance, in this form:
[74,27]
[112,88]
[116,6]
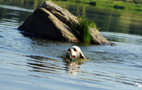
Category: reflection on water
[15,8]
[73,66]
[46,64]
[127,38]
[111,20]
[35,64]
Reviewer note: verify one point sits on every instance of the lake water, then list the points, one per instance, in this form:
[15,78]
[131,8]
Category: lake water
[34,64]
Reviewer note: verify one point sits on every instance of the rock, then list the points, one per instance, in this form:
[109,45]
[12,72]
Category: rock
[62,14]
[44,24]
[54,23]
[97,38]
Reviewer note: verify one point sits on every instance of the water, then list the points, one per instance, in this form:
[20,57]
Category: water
[34,64]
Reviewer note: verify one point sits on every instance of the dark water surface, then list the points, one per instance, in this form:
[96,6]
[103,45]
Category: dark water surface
[35,64]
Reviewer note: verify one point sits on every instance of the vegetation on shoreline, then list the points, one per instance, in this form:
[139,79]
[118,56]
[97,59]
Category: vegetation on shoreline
[117,4]
[135,5]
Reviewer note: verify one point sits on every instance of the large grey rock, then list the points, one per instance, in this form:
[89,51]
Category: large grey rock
[44,24]
[62,14]
[54,23]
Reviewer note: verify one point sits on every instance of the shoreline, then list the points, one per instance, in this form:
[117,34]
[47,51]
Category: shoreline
[110,4]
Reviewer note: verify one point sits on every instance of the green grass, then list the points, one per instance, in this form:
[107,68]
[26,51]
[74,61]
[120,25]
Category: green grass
[116,4]
[82,31]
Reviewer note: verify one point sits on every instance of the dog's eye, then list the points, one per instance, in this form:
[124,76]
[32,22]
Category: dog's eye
[69,49]
[74,49]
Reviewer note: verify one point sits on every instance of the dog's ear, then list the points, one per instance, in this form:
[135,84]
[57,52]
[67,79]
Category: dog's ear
[82,56]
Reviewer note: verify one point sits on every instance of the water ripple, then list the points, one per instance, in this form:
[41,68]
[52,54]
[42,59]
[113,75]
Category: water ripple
[15,8]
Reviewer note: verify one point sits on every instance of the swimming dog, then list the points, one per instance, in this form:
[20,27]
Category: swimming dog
[75,53]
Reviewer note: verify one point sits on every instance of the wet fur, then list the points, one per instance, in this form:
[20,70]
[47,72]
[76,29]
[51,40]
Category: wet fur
[75,52]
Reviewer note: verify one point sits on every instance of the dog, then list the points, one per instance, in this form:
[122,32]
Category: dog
[75,53]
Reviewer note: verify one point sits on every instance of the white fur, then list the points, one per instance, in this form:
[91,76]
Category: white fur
[75,52]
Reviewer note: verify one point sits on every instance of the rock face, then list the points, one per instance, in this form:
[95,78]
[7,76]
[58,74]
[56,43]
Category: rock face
[98,39]
[54,23]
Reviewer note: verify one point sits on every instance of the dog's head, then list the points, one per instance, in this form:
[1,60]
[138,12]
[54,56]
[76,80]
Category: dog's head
[74,53]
